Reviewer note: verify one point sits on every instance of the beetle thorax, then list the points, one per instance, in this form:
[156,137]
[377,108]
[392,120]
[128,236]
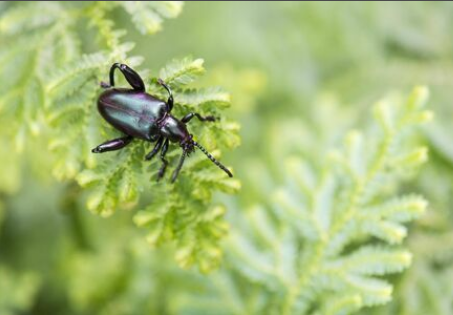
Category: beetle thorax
[175,130]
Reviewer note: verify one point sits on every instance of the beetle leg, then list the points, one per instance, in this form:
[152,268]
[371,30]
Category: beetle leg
[170,100]
[113,145]
[178,168]
[164,161]
[156,149]
[131,76]
[189,117]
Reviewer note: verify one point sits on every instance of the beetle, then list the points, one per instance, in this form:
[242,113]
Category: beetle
[140,115]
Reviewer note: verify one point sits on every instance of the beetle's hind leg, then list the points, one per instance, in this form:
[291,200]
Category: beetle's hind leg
[113,145]
[170,99]
[132,77]
[162,169]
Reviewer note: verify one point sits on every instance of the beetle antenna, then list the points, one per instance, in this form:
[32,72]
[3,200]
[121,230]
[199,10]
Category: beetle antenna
[220,165]
[180,164]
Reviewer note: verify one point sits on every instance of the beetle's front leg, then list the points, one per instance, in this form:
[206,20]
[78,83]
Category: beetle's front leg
[156,149]
[113,145]
[162,169]
[189,117]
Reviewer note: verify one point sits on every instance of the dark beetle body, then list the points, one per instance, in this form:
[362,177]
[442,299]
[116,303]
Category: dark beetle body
[133,112]
[140,115]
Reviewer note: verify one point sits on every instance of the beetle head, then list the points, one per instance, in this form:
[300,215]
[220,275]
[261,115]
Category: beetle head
[188,145]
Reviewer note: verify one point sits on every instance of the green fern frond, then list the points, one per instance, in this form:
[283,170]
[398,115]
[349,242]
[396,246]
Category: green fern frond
[208,98]
[180,213]
[359,184]
[148,15]
[64,82]
[115,182]
[24,18]
[107,36]
[182,72]
[52,82]
[372,261]
[46,59]
[331,235]
[428,279]
[401,209]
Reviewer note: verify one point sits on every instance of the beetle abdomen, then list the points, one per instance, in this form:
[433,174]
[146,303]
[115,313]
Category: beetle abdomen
[133,112]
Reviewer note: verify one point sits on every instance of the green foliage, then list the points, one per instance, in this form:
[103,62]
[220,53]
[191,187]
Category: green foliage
[53,83]
[182,212]
[425,288]
[17,290]
[312,231]
[45,66]
[418,292]
[148,15]
[324,243]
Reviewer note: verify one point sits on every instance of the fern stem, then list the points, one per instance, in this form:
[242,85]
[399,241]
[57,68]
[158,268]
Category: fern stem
[361,185]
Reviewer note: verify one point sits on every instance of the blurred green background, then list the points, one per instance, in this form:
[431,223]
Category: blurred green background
[300,74]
